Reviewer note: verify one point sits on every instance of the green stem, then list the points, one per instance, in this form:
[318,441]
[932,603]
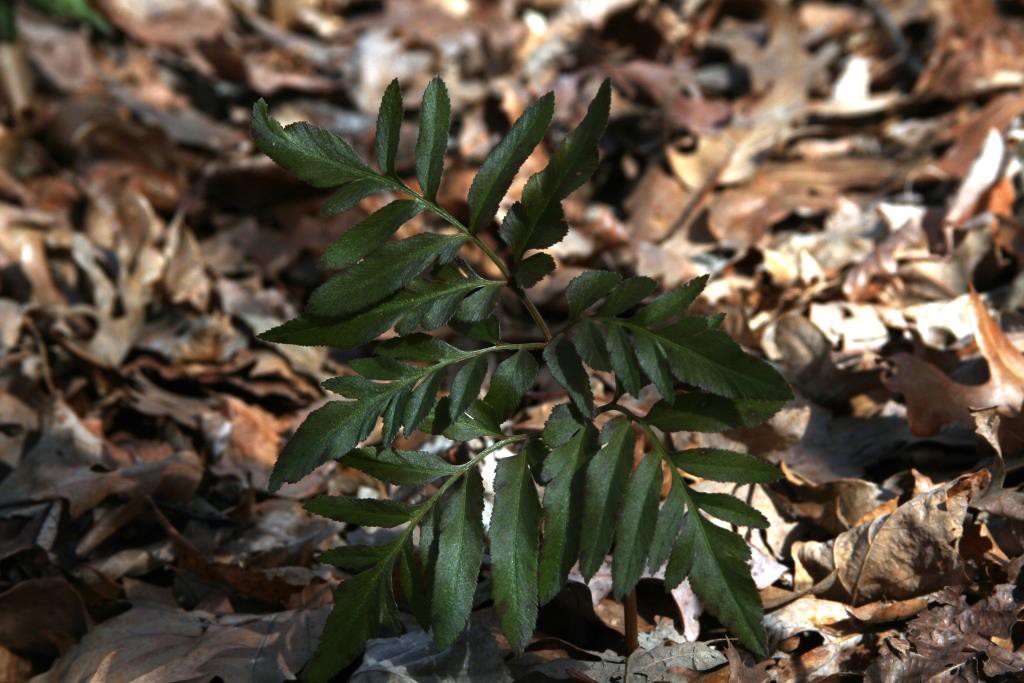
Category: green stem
[466,355]
[450,481]
[624,410]
[428,504]
[441,212]
[631,626]
[8,26]
[644,425]
[531,308]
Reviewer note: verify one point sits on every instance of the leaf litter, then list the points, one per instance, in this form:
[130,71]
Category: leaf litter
[852,188]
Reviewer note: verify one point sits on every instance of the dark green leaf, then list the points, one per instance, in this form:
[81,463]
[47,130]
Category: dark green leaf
[652,359]
[487,330]
[409,468]
[561,425]
[604,485]
[393,413]
[729,509]
[671,303]
[415,583]
[421,401]
[460,551]
[382,368]
[680,560]
[510,382]
[351,331]
[76,9]
[515,529]
[466,385]
[589,287]
[696,411]
[422,347]
[496,173]
[623,359]
[389,124]
[632,291]
[437,310]
[361,511]
[566,367]
[536,451]
[551,228]
[435,117]
[535,222]
[670,521]
[430,528]
[715,560]
[354,386]
[358,605]
[312,154]
[478,306]
[562,505]
[347,196]
[471,424]
[330,431]
[385,271]
[534,269]
[711,360]
[369,234]
[635,529]
[589,343]
[356,557]
[720,465]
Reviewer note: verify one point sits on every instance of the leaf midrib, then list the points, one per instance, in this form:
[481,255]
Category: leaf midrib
[708,548]
[743,378]
[515,566]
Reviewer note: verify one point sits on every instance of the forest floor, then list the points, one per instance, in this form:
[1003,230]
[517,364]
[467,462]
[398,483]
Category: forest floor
[848,173]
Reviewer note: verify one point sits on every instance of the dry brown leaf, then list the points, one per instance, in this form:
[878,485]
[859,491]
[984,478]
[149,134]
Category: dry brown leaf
[72,463]
[834,506]
[161,644]
[983,174]
[951,635]
[934,400]
[169,22]
[908,553]
[656,205]
[977,51]
[43,616]
[13,668]
[968,137]
[255,434]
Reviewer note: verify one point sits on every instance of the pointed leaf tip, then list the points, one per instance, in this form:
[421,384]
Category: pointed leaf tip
[501,165]
[389,124]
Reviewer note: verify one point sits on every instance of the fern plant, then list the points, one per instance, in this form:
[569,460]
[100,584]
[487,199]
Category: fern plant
[594,501]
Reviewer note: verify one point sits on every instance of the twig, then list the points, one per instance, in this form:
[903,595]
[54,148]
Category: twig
[632,623]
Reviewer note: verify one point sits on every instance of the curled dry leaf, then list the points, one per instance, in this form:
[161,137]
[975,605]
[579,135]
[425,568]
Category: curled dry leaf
[907,553]
[953,634]
[43,616]
[934,400]
[173,478]
[161,644]
[981,176]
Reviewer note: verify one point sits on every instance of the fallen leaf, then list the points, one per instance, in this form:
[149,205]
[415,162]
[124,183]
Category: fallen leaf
[42,616]
[934,400]
[910,552]
[159,643]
